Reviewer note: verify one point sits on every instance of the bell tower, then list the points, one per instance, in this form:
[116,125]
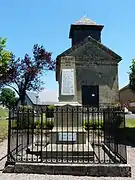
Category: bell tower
[83,28]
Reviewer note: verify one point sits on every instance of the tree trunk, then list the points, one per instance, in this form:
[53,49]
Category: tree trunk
[22,99]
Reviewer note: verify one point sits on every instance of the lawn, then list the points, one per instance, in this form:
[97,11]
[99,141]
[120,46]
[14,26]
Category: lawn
[3,129]
[3,113]
[3,124]
[128,133]
[130,123]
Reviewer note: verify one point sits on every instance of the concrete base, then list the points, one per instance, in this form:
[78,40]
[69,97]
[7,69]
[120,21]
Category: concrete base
[98,170]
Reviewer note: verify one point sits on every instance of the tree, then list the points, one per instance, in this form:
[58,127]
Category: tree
[8,97]
[4,57]
[25,74]
[132,76]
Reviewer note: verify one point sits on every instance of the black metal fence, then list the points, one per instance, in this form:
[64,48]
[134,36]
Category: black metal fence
[66,135]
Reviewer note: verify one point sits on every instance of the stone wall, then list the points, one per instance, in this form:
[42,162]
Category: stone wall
[104,76]
[94,66]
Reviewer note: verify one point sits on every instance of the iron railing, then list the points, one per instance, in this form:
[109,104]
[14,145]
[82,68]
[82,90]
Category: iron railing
[66,135]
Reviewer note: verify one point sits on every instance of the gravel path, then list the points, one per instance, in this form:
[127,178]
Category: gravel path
[9,176]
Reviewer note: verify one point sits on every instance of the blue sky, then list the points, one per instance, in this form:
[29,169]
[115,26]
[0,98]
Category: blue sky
[47,22]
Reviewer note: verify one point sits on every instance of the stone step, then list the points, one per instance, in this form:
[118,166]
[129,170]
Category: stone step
[106,170]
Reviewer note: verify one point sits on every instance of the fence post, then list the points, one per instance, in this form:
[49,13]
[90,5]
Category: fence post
[124,124]
[9,135]
[41,113]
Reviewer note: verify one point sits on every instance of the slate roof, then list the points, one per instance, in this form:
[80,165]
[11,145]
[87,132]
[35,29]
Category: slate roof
[99,44]
[43,98]
[85,21]
[33,97]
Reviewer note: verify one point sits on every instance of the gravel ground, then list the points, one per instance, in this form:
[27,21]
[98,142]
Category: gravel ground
[9,176]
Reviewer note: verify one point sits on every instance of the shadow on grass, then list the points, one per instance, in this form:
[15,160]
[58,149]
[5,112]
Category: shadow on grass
[128,136]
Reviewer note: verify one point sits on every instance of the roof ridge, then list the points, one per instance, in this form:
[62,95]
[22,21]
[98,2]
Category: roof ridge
[96,42]
[75,46]
[105,47]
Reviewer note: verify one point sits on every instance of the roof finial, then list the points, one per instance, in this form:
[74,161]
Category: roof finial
[85,21]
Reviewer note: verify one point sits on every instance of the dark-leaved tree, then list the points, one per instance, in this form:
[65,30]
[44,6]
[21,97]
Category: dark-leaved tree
[25,74]
[132,76]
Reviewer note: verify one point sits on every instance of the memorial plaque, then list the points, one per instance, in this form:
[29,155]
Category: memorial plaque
[67,137]
[67,82]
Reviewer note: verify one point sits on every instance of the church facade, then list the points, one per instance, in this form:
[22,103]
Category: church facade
[95,66]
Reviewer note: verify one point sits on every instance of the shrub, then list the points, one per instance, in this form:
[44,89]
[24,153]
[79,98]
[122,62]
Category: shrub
[49,125]
[93,124]
[118,119]
[45,124]
[102,126]
[37,124]
[22,122]
[23,118]
[50,111]
[51,107]
[25,108]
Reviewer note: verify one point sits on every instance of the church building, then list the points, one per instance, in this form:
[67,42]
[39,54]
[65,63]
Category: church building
[87,72]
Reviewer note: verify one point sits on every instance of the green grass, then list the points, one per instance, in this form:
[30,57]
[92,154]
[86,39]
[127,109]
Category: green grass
[130,123]
[3,129]
[128,133]
[3,124]
[3,113]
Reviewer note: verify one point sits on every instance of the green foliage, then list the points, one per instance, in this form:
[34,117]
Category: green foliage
[37,124]
[23,121]
[50,111]
[115,121]
[132,75]
[8,97]
[48,124]
[92,124]
[25,108]
[51,107]
[118,119]
[24,118]
[5,56]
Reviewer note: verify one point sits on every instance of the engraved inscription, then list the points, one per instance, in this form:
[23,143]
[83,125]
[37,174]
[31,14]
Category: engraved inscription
[67,82]
[67,137]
